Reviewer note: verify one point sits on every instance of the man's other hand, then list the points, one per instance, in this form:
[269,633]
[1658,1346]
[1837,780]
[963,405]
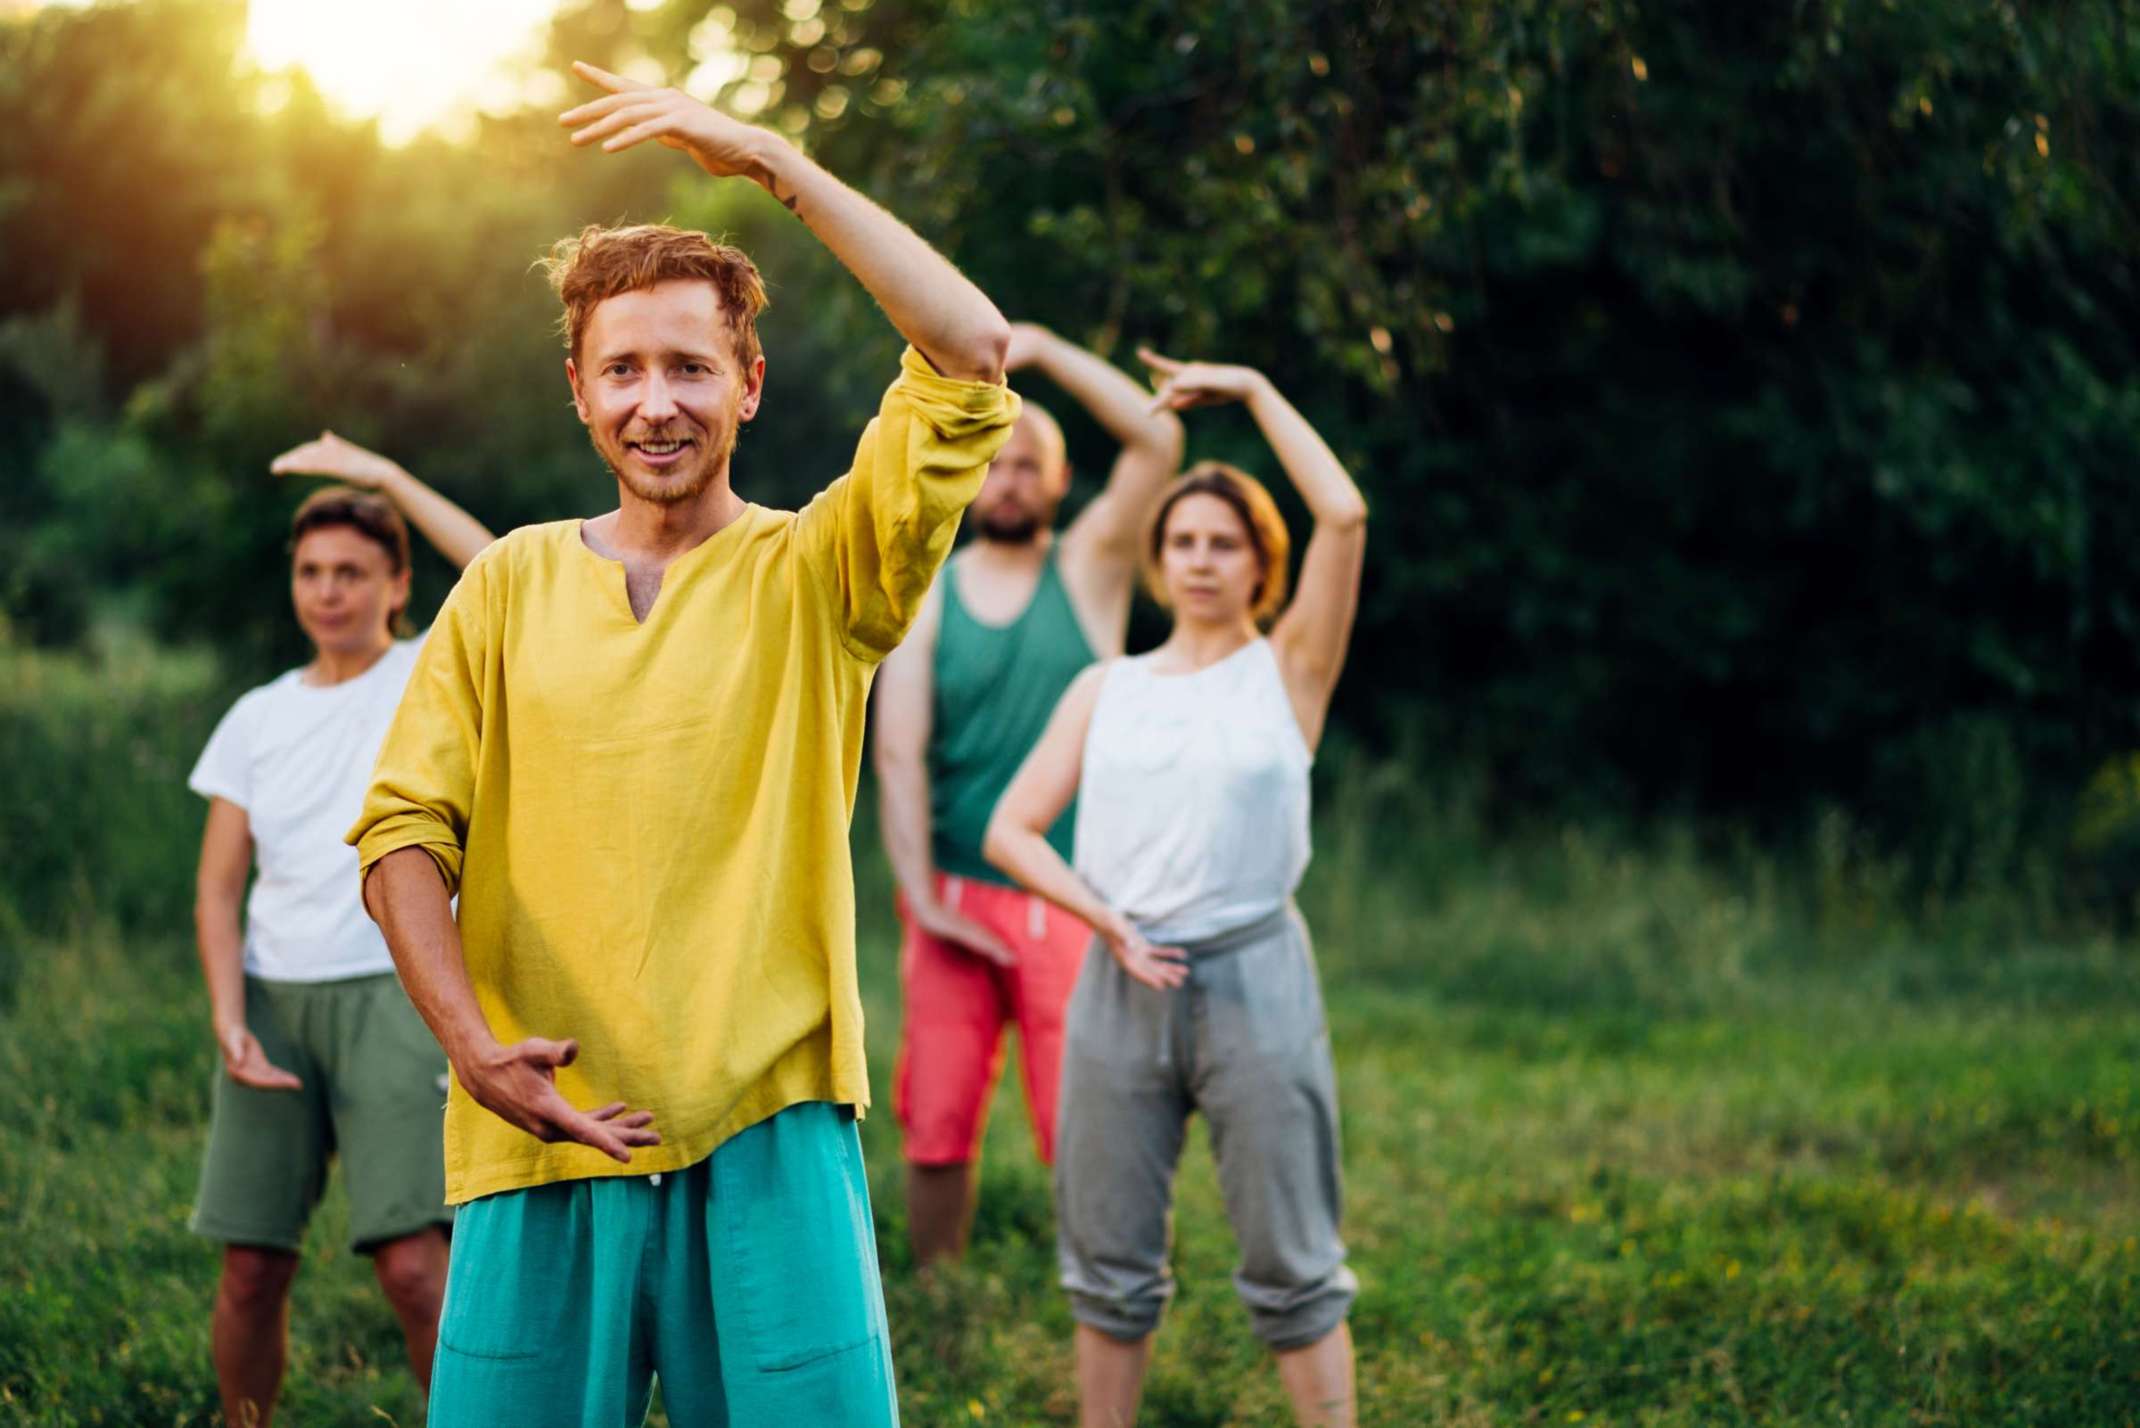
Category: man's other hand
[518,1084]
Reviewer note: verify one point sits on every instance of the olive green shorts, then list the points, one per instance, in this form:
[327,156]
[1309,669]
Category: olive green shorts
[374,1095]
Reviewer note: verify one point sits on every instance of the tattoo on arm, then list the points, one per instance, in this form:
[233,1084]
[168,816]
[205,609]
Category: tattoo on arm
[762,174]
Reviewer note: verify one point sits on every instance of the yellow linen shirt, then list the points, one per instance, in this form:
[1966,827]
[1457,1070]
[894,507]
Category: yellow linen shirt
[647,824]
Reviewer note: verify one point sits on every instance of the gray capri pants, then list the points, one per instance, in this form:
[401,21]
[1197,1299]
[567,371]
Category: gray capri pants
[1242,1041]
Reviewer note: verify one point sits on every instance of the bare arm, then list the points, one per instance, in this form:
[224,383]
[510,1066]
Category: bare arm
[454,533]
[1017,840]
[405,895]
[934,306]
[218,929]
[1099,551]
[905,695]
[1310,639]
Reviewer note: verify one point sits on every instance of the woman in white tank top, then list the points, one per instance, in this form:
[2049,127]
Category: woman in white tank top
[1190,768]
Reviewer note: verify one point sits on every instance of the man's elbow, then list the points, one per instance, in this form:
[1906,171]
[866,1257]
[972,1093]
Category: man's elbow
[996,845]
[1165,438]
[981,355]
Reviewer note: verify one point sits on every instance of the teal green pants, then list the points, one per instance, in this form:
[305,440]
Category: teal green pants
[747,1284]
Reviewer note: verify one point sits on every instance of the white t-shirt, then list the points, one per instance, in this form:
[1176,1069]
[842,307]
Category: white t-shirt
[298,758]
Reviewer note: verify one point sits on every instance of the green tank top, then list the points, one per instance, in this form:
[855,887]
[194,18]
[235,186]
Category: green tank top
[996,685]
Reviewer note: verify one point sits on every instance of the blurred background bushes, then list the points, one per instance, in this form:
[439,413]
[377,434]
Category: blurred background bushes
[1747,395]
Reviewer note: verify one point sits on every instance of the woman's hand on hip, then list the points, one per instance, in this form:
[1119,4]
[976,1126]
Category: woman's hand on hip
[1161,968]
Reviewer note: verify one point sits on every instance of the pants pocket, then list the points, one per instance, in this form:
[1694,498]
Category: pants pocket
[794,1237]
[518,1259]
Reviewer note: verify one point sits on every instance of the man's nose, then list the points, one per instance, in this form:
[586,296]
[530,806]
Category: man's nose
[656,401]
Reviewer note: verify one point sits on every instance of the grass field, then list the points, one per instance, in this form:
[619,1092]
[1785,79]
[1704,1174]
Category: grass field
[1632,1137]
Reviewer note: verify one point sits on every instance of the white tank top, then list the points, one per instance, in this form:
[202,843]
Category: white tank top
[1192,808]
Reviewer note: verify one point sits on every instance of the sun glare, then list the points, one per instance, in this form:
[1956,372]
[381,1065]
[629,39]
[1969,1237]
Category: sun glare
[415,64]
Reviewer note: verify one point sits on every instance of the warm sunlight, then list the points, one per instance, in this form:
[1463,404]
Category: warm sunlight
[415,64]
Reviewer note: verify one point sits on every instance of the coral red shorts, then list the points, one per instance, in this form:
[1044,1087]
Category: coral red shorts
[957,1004]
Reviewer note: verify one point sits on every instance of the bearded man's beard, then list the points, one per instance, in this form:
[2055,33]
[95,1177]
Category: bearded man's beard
[1009,528]
[674,490]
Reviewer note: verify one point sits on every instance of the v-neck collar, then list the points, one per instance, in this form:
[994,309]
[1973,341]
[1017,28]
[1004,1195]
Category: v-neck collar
[614,578]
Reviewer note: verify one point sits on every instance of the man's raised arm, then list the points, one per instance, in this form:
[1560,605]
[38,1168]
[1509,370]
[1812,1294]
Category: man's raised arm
[947,319]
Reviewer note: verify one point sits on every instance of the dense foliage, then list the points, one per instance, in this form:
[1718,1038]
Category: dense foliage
[1747,395]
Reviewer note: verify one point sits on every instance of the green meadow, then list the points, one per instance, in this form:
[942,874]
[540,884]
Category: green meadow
[1637,1130]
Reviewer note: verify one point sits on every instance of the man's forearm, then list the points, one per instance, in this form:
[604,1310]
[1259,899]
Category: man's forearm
[406,897]
[903,816]
[934,306]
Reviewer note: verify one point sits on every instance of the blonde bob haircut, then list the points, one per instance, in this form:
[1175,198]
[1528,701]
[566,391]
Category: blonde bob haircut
[1258,513]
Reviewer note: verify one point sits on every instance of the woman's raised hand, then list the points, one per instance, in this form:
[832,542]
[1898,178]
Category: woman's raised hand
[632,113]
[341,460]
[1183,385]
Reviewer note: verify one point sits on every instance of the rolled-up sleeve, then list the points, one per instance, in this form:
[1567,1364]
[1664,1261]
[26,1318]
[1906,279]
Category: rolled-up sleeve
[878,534]
[423,784]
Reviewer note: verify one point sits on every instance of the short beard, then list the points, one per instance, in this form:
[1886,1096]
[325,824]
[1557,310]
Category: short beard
[668,493]
[1016,530]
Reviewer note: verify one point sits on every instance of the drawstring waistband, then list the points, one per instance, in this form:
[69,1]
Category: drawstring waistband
[1231,940]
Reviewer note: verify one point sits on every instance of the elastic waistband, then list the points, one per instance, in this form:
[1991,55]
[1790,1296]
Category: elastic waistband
[1235,938]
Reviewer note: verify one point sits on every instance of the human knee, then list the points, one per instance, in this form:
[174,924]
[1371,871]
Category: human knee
[412,1271]
[255,1279]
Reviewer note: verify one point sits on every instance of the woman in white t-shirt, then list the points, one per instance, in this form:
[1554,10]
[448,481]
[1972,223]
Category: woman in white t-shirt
[322,1053]
[1190,769]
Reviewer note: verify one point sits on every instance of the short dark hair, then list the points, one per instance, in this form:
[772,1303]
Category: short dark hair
[372,516]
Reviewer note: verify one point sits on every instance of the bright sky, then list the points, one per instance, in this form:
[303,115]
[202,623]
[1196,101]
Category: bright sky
[414,64]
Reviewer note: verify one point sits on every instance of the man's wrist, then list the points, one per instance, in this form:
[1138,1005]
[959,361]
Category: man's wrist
[773,163]
[470,1046]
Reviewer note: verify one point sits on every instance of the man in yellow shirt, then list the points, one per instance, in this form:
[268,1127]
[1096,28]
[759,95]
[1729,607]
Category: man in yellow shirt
[631,746]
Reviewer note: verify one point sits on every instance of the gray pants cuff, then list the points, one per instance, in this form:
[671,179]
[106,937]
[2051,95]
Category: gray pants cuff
[1303,1324]
[1117,1319]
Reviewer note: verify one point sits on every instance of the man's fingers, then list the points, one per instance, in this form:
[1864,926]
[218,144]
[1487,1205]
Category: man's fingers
[621,118]
[638,134]
[589,1131]
[601,108]
[544,1052]
[622,1117]
[615,83]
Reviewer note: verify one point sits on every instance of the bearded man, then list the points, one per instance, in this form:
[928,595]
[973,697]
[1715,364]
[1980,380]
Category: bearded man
[1016,615]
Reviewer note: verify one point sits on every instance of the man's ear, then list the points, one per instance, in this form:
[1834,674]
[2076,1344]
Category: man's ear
[579,401]
[753,388]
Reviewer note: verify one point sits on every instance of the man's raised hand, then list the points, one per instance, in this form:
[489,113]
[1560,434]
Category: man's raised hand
[632,113]
[518,1085]
[342,460]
